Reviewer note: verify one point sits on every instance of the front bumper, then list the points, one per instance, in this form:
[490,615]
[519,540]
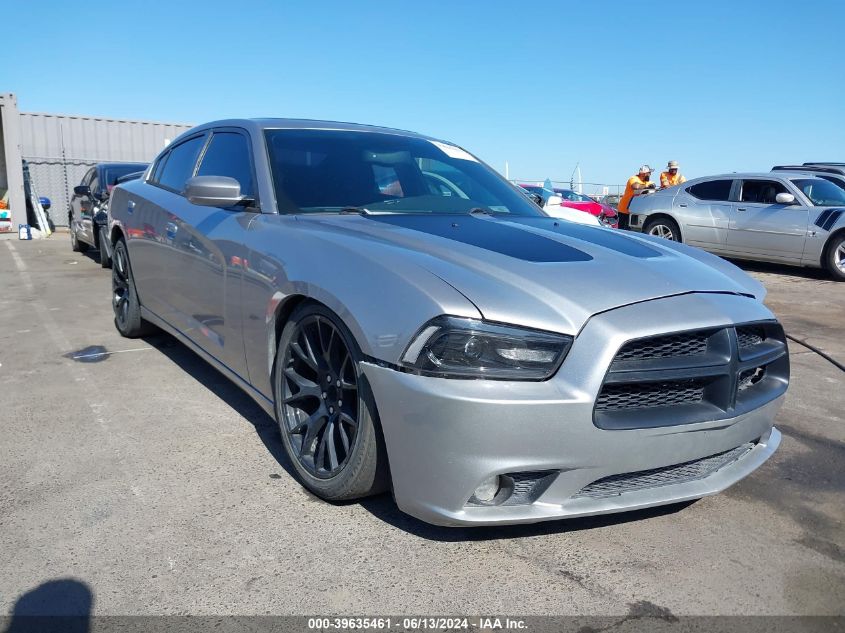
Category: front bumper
[636,221]
[444,437]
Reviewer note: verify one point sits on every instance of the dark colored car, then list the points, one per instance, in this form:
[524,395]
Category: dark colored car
[87,215]
[831,172]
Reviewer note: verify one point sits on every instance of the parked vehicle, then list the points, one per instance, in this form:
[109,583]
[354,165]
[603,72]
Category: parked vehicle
[606,215]
[835,175]
[611,200]
[87,215]
[779,216]
[486,362]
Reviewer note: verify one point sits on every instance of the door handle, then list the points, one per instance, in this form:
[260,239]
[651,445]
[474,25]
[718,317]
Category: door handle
[682,205]
[740,208]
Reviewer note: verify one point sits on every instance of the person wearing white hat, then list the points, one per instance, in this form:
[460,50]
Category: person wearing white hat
[635,186]
[671,176]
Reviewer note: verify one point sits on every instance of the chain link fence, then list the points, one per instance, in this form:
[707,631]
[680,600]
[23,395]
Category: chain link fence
[55,178]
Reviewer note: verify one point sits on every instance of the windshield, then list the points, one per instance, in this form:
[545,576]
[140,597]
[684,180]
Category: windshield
[113,172]
[821,192]
[320,171]
[571,196]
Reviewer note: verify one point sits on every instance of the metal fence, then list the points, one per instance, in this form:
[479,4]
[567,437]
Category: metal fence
[60,149]
[55,178]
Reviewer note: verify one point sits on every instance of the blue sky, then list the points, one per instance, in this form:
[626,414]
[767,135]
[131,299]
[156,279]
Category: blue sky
[718,86]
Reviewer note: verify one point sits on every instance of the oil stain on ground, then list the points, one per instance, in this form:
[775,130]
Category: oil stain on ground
[90,354]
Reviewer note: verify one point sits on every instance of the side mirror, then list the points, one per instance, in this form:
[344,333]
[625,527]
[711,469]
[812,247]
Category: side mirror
[554,201]
[785,198]
[213,191]
[82,190]
[45,203]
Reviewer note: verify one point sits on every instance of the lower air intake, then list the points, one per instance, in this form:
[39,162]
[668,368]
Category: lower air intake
[666,476]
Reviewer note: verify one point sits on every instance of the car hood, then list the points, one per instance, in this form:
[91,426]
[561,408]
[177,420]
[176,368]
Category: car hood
[538,271]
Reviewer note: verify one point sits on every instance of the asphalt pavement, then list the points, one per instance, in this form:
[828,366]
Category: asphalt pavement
[137,473]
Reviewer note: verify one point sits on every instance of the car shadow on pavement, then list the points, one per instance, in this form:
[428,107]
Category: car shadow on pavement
[385,509]
[782,269]
[227,391]
[381,506]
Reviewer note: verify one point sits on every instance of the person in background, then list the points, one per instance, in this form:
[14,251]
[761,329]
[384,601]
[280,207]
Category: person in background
[671,176]
[635,186]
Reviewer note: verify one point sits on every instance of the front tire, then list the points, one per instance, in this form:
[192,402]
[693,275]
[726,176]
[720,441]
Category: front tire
[75,244]
[835,257]
[666,228]
[125,302]
[325,409]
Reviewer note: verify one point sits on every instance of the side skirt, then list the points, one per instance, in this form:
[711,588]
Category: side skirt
[263,401]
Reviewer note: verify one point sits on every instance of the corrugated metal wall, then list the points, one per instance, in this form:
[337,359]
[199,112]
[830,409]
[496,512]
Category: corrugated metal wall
[60,149]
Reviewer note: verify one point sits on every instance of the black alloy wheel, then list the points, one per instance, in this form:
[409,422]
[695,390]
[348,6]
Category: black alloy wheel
[125,303]
[325,410]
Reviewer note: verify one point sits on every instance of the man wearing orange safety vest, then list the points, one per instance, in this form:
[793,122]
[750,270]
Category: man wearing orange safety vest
[635,186]
[671,176]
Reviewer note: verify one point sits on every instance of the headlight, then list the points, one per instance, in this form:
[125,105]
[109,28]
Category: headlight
[468,348]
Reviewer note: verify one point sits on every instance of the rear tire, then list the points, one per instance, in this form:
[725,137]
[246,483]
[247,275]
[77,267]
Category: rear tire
[105,260]
[666,228]
[325,409]
[834,259]
[125,302]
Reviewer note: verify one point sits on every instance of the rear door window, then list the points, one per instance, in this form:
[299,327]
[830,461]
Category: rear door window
[180,164]
[719,190]
[228,155]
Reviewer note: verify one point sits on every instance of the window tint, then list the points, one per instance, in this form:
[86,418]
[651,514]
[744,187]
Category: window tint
[712,190]
[95,183]
[180,164]
[761,191]
[112,173]
[323,171]
[228,155]
[821,192]
[86,179]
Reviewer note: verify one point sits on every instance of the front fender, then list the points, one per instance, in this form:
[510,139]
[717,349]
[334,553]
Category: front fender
[379,294]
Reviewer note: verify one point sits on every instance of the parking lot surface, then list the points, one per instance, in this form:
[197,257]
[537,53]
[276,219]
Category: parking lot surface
[146,476]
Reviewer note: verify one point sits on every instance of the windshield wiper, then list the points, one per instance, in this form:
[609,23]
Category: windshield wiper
[356,210]
[480,211]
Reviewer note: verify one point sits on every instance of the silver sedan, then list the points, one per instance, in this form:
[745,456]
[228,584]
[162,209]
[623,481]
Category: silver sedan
[788,217]
[413,322]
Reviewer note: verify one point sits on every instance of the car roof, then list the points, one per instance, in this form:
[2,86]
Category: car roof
[257,125]
[765,175]
[103,165]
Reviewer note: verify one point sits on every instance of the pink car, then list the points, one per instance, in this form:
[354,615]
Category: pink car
[605,214]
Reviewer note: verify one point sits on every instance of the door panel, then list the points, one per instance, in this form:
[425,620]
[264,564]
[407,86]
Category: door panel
[705,223]
[704,210]
[205,251]
[760,226]
[80,206]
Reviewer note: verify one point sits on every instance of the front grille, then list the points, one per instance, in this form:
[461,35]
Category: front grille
[665,476]
[693,376]
[681,344]
[650,394]
[750,335]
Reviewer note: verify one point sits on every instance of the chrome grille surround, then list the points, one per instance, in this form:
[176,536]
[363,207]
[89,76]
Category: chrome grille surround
[716,373]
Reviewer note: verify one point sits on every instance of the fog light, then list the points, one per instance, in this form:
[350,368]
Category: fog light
[487,491]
